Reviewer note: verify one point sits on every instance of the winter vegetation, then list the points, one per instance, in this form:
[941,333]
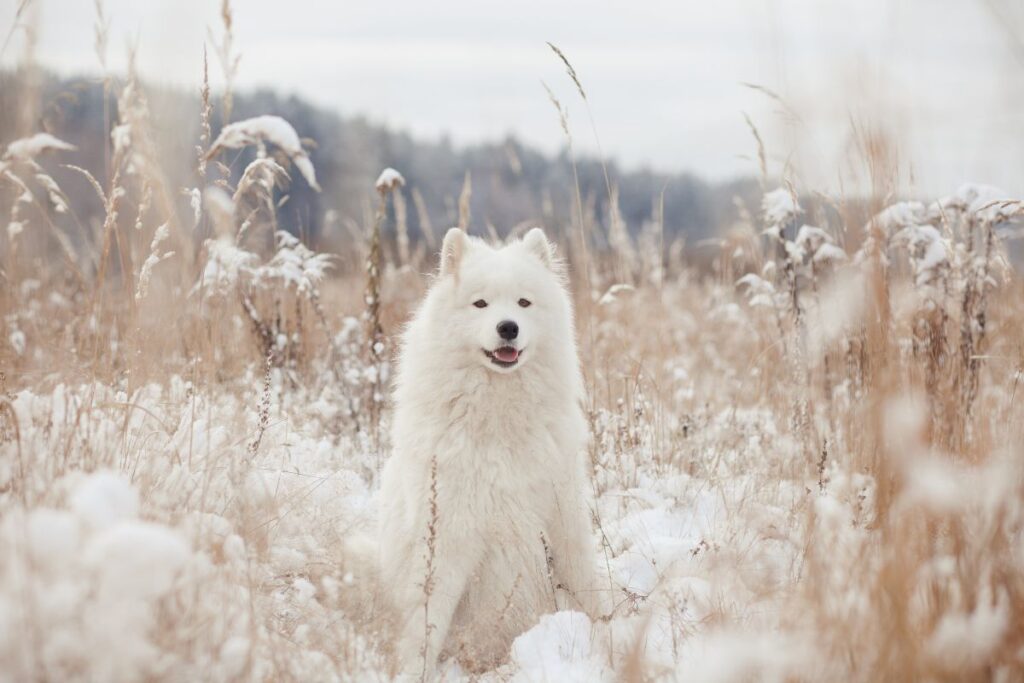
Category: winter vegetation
[805,446]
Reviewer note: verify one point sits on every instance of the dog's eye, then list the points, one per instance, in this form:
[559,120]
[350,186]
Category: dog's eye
[480,303]
[525,302]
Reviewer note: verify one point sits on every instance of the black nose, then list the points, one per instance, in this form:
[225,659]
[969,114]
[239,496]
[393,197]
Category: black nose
[508,330]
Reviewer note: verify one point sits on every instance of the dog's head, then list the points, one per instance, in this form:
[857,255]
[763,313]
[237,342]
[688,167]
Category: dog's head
[505,305]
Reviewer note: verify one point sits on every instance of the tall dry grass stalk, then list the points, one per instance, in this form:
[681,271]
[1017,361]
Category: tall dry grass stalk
[465,197]
[429,578]
[401,228]
[389,182]
[423,216]
[15,24]
[615,226]
[229,60]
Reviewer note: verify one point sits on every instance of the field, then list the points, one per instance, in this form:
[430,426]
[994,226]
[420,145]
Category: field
[805,448]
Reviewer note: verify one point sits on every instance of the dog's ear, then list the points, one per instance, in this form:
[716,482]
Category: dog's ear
[452,250]
[536,242]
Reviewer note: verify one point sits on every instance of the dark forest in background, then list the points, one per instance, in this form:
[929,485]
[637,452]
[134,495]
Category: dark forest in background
[512,183]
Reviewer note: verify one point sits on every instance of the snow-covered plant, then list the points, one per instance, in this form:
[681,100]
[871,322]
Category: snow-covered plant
[294,265]
[263,129]
[879,230]
[759,291]
[614,293]
[23,200]
[293,273]
[18,167]
[779,209]
[226,266]
[388,182]
[974,217]
[817,250]
[928,252]
[27,149]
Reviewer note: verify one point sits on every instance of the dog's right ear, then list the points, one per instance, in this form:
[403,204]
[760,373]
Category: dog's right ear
[452,249]
[537,243]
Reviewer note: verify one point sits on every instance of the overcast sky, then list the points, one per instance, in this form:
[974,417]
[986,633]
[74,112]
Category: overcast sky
[663,78]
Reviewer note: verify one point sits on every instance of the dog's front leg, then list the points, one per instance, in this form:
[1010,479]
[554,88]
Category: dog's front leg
[442,582]
[574,554]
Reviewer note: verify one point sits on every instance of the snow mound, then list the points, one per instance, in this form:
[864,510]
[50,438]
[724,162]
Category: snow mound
[104,498]
[135,560]
[558,648]
[90,582]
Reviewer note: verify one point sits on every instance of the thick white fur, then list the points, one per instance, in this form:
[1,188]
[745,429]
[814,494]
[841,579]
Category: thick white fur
[510,459]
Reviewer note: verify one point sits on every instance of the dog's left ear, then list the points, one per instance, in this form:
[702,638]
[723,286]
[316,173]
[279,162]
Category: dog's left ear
[536,242]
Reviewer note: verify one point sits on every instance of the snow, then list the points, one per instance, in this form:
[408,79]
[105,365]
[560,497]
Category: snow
[812,238]
[97,573]
[839,309]
[829,253]
[33,146]
[225,264]
[760,292]
[221,209]
[899,215]
[613,294]
[389,180]
[121,138]
[52,536]
[104,498]
[961,640]
[195,200]
[267,128]
[779,207]
[989,203]
[559,648]
[929,253]
[17,341]
[135,560]
[295,264]
[144,540]
[232,537]
[727,656]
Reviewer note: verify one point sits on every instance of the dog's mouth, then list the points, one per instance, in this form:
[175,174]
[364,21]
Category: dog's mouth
[504,356]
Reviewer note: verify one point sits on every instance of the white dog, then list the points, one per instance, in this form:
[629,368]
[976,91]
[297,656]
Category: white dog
[489,462]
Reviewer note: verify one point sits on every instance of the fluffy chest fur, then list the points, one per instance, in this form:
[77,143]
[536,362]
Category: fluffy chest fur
[500,444]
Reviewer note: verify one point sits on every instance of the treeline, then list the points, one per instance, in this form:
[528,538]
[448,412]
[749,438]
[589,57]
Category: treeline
[511,182]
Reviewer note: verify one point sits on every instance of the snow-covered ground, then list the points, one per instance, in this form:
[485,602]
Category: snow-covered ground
[163,534]
[806,462]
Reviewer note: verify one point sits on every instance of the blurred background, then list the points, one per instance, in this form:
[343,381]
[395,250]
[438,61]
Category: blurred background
[439,90]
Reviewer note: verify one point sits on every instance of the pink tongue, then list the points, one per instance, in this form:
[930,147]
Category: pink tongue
[506,354]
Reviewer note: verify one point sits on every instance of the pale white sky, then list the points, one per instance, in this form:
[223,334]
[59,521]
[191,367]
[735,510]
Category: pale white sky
[663,78]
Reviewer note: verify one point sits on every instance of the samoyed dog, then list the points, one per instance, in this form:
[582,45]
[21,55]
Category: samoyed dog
[485,519]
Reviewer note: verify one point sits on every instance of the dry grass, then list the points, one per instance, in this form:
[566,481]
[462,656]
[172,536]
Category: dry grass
[812,475]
